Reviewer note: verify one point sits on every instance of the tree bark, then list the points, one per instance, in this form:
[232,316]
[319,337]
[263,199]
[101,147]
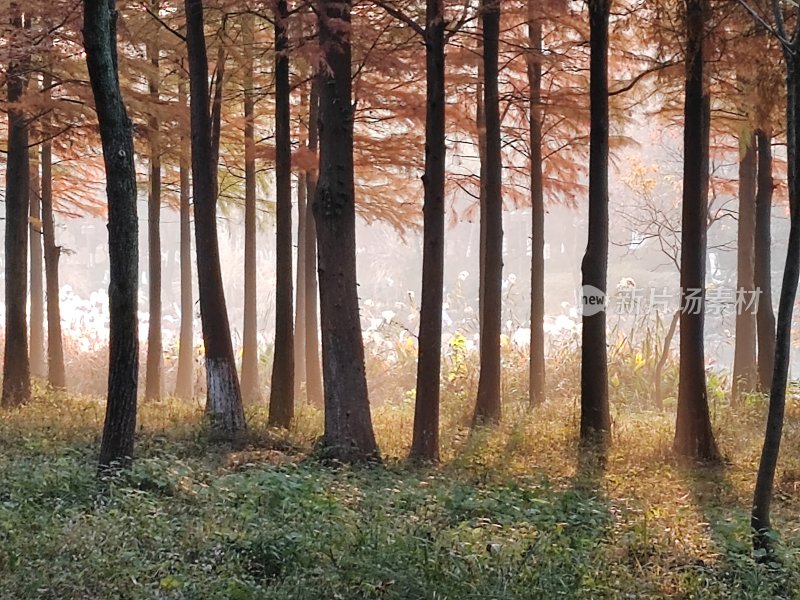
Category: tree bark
[16,367]
[224,401]
[250,379]
[56,371]
[595,412]
[37,353]
[488,406]
[314,392]
[425,440]
[765,316]
[281,398]
[184,380]
[300,289]
[536,372]
[348,425]
[153,370]
[765,480]
[116,132]
[744,360]
[693,434]
[480,122]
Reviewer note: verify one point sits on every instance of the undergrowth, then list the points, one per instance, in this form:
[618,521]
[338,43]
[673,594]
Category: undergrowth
[511,512]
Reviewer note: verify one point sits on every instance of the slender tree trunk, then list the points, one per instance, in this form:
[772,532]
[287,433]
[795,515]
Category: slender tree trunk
[489,402]
[536,393]
[56,371]
[154,346]
[251,391]
[662,360]
[224,400]
[595,412]
[300,289]
[281,398]
[184,380]
[116,132]
[348,424]
[744,361]
[37,355]
[765,317]
[693,434]
[314,392]
[425,442]
[16,367]
[480,121]
[765,481]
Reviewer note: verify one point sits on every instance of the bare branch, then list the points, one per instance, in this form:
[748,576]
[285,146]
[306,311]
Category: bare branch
[400,16]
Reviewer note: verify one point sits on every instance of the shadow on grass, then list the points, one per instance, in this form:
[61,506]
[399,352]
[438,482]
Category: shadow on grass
[727,518]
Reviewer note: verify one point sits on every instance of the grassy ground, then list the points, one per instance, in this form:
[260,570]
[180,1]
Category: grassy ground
[511,513]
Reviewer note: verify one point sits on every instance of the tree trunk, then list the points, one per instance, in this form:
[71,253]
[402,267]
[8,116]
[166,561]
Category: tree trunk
[595,412]
[184,380]
[251,391]
[425,442]
[56,371]
[348,425]
[480,121]
[536,393]
[281,397]
[744,361]
[765,481]
[224,400]
[314,392]
[300,289]
[37,356]
[116,132]
[488,404]
[693,434]
[154,346]
[16,367]
[765,317]
[662,360]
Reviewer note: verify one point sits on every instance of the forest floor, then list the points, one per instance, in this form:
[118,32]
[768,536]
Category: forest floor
[510,513]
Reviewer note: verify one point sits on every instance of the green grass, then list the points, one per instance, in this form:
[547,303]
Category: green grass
[511,513]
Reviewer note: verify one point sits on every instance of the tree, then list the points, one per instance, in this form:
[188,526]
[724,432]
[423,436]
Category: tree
[224,401]
[37,355]
[536,391]
[16,366]
[765,317]
[693,434]
[765,480]
[314,386]
[425,441]
[488,406]
[281,399]
[56,371]
[348,425]
[184,379]
[250,378]
[116,133]
[595,413]
[154,347]
[744,361]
